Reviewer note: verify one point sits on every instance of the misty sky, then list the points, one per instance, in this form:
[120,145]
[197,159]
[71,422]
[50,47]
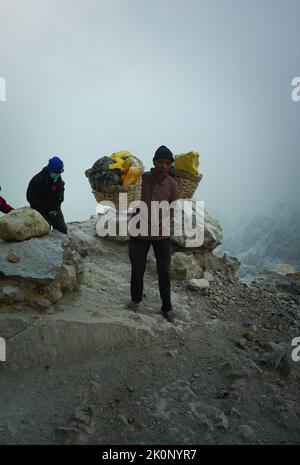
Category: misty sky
[86,78]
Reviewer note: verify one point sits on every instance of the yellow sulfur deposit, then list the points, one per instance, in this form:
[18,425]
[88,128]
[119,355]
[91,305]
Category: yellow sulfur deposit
[134,172]
[188,162]
[121,160]
[131,167]
[123,154]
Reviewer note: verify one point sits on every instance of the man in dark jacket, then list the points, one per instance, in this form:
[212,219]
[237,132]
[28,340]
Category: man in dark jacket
[45,194]
[4,207]
[158,186]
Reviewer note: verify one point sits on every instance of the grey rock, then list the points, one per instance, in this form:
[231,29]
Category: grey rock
[234,395]
[199,284]
[47,268]
[68,277]
[184,266]
[12,257]
[246,432]
[80,416]
[40,303]
[11,326]
[222,422]
[40,258]
[278,360]
[85,244]
[208,276]
[274,347]
[172,353]
[242,344]
[212,229]
[205,422]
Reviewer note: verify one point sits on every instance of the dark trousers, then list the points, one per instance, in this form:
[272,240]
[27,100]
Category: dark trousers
[138,251]
[57,222]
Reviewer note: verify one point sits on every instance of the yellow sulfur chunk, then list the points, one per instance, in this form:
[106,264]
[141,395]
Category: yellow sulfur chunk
[134,172]
[118,165]
[122,154]
[188,162]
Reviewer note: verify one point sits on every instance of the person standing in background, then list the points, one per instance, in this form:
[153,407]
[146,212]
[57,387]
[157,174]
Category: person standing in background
[4,207]
[45,194]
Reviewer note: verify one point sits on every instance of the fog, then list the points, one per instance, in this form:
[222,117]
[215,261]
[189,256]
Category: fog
[86,78]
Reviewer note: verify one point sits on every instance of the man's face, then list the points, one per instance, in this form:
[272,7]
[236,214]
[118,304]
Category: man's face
[162,165]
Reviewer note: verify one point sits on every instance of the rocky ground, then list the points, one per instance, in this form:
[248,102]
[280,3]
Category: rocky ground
[89,371]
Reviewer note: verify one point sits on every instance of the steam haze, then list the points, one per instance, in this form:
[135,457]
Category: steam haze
[88,78]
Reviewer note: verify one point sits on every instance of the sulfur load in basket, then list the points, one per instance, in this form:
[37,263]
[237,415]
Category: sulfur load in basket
[119,173]
[185,171]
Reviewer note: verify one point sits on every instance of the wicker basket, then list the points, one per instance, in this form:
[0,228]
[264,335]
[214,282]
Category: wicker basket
[111,193]
[187,184]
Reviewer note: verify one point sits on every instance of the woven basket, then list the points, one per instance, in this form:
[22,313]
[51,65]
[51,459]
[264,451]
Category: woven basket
[187,184]
[111,193]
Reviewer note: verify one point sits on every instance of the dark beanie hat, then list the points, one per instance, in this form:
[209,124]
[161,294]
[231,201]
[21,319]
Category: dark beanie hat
[55,165]
[163,152]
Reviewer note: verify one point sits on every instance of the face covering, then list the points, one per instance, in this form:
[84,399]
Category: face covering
[54,176]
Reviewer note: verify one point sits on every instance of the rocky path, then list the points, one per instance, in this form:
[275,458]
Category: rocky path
[222,374]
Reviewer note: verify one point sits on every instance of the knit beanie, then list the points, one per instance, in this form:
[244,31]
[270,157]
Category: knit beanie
[55,165]
[163,152]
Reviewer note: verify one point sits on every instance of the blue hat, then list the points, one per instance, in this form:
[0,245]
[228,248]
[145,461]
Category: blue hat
[55,165]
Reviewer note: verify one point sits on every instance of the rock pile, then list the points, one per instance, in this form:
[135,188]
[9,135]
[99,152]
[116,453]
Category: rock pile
[34,273]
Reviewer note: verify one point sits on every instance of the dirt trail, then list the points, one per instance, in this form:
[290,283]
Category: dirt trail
[146,381]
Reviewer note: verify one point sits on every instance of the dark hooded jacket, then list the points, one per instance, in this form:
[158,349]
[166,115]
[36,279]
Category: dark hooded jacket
[43,194]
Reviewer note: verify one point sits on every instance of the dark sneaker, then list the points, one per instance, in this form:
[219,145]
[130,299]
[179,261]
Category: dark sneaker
[133,306]
[169,316]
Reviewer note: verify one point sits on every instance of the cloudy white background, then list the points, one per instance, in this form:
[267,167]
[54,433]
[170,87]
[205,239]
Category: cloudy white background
[86,78]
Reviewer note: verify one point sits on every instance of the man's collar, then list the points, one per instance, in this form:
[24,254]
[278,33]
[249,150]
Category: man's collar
[153,179]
